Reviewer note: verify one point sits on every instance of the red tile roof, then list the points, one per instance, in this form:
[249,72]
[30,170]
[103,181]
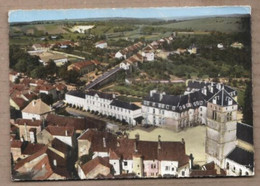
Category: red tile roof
[28,122]
[83,64]
[76,123]
[60,131]
[20,102]
[16,144]
[31,148]
[90,165]
[100,141]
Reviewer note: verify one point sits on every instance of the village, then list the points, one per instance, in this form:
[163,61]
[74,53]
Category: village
[109,112]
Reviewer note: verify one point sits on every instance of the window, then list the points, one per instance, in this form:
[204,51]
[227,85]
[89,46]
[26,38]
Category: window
[246,173]
[234,168]
[200,109]
[214,115]
[125,163]
[172,168]
[183,173]
[229,116]
[227,166]
[154,111]
[167,168]
[240,172]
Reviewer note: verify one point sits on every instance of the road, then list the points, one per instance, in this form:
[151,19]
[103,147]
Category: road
[103,77]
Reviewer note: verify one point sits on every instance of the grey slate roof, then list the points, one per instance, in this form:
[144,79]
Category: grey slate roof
[76,93]
[245,133]
[124,105]
[194,99]
[177,103]
[222,98]
[100,94]
[242,157]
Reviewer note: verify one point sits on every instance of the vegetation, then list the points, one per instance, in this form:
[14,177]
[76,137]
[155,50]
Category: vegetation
[248,105]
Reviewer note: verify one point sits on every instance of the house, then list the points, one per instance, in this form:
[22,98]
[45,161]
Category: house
[16,150]
[96,142]
[208,170]
[13,76]
[148,53]
[220,46]
[128,51]
[143,158]
[47,89]
[95,168]
[65,134]
[192,49]
[124,65]
[101,44]
[18,103]
[41,165]
[240,161]
[84,67]
[57,58]
[28,129]
[21,150]
[79,124]
[237,45]
[36,109]
[41,47]
[150,159]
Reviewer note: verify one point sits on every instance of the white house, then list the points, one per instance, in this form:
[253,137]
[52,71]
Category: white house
[148,55]
[120,55]
[36,109]
[239,162]
[124,65]
[101,44]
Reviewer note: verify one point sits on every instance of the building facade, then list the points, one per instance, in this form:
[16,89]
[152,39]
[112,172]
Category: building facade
[105,104]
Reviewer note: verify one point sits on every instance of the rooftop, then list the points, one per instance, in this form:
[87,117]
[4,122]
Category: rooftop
[37,107]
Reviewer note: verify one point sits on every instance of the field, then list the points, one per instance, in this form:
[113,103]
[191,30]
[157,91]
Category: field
[221,24]
[138,29]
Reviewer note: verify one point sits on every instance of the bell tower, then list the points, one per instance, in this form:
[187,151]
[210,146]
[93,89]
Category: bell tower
[221,126]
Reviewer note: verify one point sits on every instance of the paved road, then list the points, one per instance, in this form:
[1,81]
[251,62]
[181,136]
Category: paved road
[103,77]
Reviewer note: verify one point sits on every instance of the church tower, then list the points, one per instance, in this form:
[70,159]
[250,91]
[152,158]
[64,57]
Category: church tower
[221,126]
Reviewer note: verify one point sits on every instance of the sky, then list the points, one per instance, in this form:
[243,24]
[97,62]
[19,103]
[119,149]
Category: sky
[163,13]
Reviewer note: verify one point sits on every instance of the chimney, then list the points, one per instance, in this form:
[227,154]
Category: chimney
[182,141]
[66,133]
[159,142]
[104,142]
[152,92]
[55,162]
[204,90]
[135,143]
[137,136]
[218,86]
[191,161]
[33,102]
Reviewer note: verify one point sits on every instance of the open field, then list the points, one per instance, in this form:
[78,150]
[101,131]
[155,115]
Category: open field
[194,139]
[221,24]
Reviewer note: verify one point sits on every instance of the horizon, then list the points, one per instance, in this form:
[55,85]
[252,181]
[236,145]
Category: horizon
[165,13]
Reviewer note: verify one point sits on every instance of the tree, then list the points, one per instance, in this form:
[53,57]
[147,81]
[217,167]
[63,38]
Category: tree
[248,107]
[38,72]
[48,99]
